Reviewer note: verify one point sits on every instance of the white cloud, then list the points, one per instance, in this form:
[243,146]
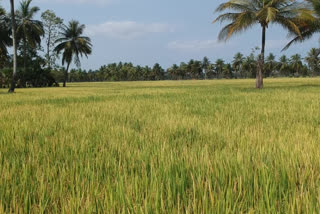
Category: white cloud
[126,29]
[195,45]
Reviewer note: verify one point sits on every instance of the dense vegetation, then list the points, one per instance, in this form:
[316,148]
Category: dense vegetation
[38,66]
[241,67]
[35,66]
[162,147]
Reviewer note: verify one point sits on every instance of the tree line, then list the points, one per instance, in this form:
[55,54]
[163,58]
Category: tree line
[32,65]
[241,67]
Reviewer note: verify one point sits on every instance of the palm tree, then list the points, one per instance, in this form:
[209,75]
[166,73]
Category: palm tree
[271,64]
[227,71]
[219,65]
[73,45]
[5,39]
[250,66]
[283,65]
[29,31]
[296,63]
[205,66]
[13,23]
[313,61]
[287,13]
[309,27]
[237,63]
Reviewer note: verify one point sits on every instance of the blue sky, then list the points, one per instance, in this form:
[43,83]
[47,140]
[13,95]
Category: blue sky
[166,31]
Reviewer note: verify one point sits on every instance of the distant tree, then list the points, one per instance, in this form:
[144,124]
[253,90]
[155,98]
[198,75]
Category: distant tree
[227,71]
[287,13]
[174,72]
[250,66]
[271,65]
[211,71]
[237,63]
[205,66]
[313,61]
[73,45]
[183,70]
[29,30]
[219,66]
[13,27]
[157,72]
[52,26]
[296,64]
[284,65]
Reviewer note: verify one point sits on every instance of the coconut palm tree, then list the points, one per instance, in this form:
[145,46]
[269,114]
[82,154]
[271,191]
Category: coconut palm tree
[29,30]
[205,66]
[313,61]
[283,65]
[296,64]
[219,67]
[271,64]
[13,23]
[308,28]
[5,39]
[73,45]
[237,63]
[247,13]
[250,66]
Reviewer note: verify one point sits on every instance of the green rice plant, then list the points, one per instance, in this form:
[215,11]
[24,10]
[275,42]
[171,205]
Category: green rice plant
[162,147]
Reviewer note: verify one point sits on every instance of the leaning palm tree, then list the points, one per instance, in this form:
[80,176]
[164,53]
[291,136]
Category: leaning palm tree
[13,23]
[29,30]
[73,45]
[308,29]
[287,13]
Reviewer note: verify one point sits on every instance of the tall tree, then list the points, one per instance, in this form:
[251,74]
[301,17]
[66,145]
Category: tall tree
[13,23]
[52,25]
[5,39]
[73,45]
[29,30]
[247,13]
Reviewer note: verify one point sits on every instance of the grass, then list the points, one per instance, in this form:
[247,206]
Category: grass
[162,147]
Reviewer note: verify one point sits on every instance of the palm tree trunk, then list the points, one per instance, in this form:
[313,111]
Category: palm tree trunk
[24,60]
[66,76]
[48,50]
[13,20]
[259,80]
